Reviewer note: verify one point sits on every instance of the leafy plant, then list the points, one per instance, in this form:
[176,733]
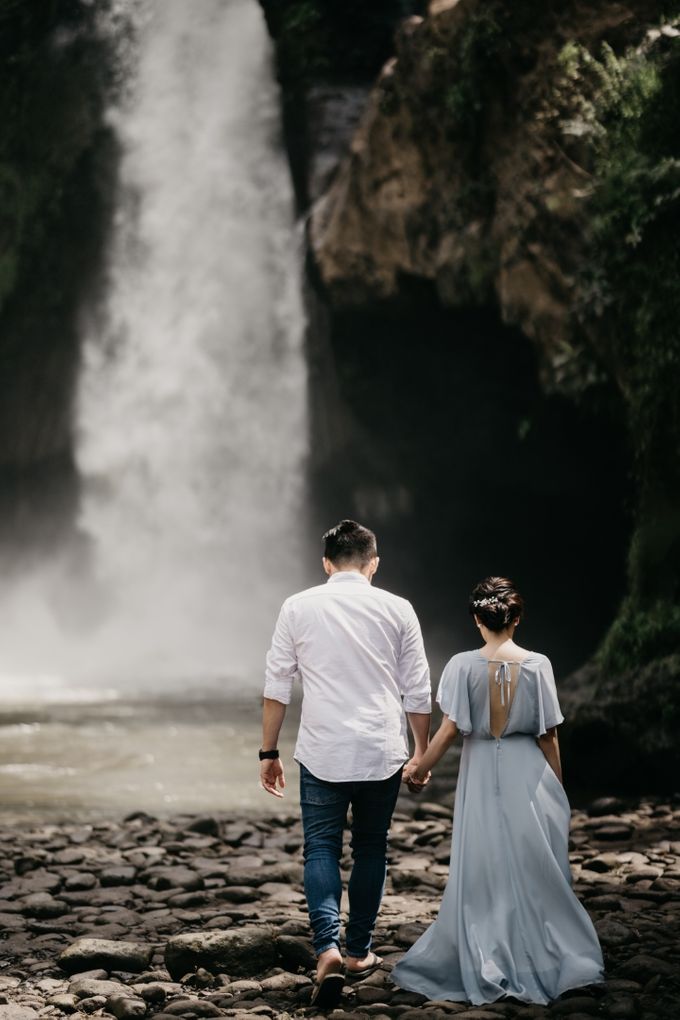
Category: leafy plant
[625,108]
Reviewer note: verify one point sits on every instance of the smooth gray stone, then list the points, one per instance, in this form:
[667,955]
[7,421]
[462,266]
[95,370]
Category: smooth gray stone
[125,1007]
[193,1007]
[242,952]
[92,1004]
[120,875]
[43,904]
[87,953]
[85,988]
[80,882]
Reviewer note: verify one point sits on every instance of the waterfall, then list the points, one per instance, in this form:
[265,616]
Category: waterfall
[191,407]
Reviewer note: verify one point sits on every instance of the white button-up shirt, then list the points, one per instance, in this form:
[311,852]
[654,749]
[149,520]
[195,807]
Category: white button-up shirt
[359,653]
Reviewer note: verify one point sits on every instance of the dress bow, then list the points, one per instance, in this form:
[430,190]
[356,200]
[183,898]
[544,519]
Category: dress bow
[503,676]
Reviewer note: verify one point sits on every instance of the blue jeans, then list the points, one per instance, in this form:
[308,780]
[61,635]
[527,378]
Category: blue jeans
[324,816]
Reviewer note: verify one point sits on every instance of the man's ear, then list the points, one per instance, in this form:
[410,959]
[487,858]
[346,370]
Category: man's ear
[327,565]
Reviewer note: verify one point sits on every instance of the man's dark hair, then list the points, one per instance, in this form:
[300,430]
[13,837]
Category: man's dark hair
[349,542]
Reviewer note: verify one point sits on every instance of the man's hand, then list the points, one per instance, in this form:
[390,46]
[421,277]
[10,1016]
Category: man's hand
[412,780]
[271,773]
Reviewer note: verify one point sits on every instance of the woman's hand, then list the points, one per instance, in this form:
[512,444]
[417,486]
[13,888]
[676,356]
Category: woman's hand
[417,772]
[415,778]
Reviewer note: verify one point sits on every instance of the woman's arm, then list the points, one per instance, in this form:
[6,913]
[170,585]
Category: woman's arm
[550,746]
[443,738]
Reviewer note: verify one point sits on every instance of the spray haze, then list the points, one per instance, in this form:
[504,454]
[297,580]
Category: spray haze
[191,413]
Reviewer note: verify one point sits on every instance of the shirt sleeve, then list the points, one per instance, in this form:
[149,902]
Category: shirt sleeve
[414,672]
[549,712]
[281,665]
[453,697]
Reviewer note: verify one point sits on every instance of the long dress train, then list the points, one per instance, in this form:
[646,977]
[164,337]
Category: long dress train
[509,923]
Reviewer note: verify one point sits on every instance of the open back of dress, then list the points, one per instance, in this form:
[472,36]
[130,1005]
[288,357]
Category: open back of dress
[503,680]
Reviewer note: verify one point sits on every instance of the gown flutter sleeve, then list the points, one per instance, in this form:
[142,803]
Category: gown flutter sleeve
[453,696]
[548,710]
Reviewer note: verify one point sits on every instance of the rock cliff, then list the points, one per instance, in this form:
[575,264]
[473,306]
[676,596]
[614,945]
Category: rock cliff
[525,157]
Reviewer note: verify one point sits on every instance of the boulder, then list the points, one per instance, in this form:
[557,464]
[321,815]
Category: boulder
[295,952]
[124,874]
[173,877]
[44,905]
[205,824]
[86,954]
[242,952]
[257,876]
[192,1007]
[125,1007]
[86,988]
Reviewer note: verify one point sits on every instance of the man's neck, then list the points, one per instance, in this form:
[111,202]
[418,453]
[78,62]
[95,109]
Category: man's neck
[366,570]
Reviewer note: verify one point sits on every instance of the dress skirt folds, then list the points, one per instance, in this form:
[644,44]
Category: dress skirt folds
[509,923]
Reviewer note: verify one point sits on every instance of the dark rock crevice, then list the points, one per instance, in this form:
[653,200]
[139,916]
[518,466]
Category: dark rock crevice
[57,163]
[431,424]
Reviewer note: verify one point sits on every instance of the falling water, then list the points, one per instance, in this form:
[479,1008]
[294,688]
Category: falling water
[191,416]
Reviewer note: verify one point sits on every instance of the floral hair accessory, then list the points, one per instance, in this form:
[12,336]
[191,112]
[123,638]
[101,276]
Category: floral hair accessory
[492,600]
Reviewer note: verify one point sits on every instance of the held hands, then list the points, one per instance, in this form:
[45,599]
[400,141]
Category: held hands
[413,777]
[271,774]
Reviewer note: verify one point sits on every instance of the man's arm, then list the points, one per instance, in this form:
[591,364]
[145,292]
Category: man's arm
[419,723]
[279,675]
[271,770]
[414,680]
[414,672]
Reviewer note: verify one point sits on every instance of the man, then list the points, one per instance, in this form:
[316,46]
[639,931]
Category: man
[359,653]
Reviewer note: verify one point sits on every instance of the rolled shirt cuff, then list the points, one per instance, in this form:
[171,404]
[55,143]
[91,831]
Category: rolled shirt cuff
[420,703]
[278,690]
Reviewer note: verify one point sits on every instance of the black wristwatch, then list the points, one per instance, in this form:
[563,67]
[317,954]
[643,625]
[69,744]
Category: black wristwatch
[264,755]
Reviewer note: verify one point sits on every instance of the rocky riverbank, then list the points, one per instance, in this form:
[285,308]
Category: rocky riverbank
[205,917]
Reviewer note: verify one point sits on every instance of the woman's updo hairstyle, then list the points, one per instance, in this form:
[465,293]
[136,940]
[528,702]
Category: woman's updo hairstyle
[496,602]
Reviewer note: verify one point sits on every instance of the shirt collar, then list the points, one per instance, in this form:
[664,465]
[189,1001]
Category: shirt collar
[347,575]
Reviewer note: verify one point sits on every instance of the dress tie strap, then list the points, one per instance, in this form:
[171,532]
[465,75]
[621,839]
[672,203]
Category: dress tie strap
[502,677]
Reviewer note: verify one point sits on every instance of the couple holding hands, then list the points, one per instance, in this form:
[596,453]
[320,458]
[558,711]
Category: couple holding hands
[509,924]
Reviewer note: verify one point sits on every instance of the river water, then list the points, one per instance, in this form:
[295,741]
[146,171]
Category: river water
[77,754]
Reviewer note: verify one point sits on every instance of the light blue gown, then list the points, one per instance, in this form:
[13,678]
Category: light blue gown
[509,923]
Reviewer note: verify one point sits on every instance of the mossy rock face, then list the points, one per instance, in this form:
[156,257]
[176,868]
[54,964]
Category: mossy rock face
[624,735]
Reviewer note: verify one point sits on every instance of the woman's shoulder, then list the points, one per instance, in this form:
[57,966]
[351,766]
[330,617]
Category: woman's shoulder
[462,658]
[536,660]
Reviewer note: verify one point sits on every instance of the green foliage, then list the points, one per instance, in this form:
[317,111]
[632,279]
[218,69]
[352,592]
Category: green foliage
[619,112]
[627,107]
[478,47]
[639,636]
[304,43]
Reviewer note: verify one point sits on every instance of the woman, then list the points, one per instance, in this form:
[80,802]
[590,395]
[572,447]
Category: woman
[509,923]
